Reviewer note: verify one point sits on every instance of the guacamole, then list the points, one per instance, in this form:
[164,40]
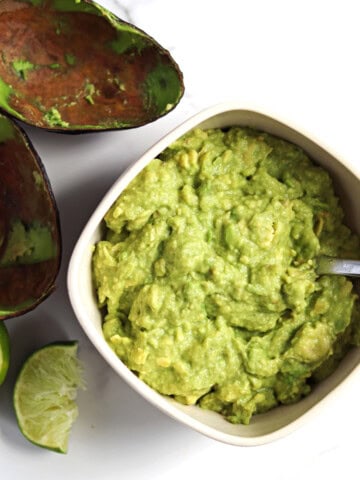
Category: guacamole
[207,273]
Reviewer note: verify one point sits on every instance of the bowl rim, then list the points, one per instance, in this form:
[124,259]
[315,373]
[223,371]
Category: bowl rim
[74,268]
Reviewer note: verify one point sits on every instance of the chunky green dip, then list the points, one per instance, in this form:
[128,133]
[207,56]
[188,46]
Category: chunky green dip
[207,273]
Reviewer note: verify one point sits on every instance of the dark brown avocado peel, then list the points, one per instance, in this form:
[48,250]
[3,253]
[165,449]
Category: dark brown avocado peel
[73,66]
[30,241]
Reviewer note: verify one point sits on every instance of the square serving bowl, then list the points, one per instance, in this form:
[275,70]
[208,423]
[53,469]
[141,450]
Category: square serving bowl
[281,420]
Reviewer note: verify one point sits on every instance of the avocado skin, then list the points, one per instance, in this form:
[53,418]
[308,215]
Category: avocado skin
[68,92]
[30,232]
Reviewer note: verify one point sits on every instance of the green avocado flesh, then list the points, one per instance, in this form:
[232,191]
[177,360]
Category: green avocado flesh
[59,76]
[27,245]
[207,273]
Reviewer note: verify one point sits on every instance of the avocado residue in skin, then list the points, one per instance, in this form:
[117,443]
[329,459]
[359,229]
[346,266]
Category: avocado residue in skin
[89,93]
[126,41]
[121,85]
[160,83]
[6,130]
[28,245]
[53,118]
[70,59]
[6,311]
[39,181]
[5,92]
[207,273]
[61,26]
[21,67]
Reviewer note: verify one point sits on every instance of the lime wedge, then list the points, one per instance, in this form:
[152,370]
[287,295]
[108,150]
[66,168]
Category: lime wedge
[45,393]
[4,352]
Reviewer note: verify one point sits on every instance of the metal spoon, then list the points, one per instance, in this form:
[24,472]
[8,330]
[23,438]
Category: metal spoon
[338,266]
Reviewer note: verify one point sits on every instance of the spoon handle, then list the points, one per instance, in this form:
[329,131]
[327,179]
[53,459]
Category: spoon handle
[338,266]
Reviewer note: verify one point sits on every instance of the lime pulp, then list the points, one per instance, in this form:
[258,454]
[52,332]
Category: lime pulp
[45,393]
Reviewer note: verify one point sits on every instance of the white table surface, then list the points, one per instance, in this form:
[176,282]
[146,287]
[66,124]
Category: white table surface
[295,59]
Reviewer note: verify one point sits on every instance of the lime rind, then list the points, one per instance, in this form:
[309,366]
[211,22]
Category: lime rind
[45,393]
[4,352]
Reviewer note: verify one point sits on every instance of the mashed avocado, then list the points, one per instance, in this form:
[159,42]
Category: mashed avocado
[207,273]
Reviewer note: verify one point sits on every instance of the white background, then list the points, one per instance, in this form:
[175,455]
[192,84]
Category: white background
[295,59]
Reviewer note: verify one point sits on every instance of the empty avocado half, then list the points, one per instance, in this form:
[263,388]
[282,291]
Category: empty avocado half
[30,241]
[73,66]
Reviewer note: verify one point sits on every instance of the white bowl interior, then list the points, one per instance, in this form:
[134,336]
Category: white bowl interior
[264,427]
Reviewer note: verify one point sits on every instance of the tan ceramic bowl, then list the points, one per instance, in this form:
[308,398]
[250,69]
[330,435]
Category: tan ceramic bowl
[282,420]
